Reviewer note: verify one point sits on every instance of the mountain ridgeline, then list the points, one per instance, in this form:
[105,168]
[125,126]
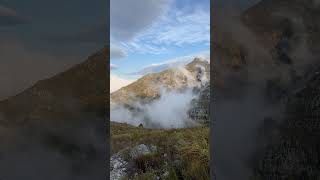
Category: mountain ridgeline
[79,89]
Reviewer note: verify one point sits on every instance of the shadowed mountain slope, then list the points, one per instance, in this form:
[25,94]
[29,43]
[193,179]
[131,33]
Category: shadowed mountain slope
[81,89]
[58,125]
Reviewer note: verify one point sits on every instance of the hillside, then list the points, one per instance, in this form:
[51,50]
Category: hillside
[165,154]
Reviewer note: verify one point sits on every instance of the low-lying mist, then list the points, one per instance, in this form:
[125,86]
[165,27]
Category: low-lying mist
[170,110]
[43,150]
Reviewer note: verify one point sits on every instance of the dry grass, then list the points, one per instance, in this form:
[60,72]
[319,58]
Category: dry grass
[187,150]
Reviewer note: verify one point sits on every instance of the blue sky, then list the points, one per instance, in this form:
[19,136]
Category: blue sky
[151,32]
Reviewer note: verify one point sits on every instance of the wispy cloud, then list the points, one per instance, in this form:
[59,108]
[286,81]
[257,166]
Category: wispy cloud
[183,28]
[113,66]
[144,48]
[129,18]
[117,52]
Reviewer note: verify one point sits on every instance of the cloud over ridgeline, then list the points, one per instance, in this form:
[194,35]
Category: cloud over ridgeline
[171,63]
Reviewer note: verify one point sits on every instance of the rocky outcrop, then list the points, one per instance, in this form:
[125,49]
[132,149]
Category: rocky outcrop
[118,167]
[123,163]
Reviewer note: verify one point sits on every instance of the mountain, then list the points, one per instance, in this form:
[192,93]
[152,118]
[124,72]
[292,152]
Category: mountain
[57,125]
[149,86]
[68,95]
[289,146]
[268,55]
[151,151]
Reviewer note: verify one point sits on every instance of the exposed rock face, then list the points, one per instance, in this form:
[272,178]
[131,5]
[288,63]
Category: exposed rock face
[118,167]
[141,150]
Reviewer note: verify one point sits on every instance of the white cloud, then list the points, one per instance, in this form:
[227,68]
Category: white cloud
[113,66]
[143,48]
[129,18]
[177,28]
[169,111]
[116,82]
[184,28]
[116,52]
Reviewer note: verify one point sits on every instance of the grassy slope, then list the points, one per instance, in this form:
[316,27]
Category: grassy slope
[187,150]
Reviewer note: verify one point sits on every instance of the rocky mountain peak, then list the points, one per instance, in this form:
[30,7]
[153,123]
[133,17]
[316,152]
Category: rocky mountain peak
[198,62]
